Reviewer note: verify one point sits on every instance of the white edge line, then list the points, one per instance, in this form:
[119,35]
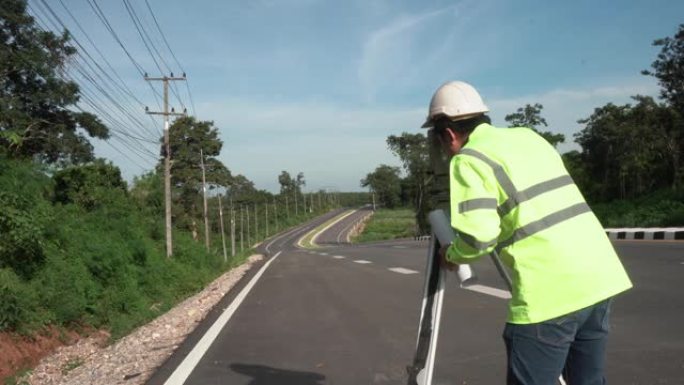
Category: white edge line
[402,270]
[489,290]
[186,367]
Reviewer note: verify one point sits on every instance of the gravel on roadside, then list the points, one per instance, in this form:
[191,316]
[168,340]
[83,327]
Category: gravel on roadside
[134,358]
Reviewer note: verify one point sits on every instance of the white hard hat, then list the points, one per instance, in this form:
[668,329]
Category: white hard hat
[455,100]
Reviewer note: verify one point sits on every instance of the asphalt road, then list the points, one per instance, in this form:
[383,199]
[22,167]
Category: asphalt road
[338,233]
[349,314]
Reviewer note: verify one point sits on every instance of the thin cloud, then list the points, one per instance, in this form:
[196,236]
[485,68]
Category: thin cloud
[386,51]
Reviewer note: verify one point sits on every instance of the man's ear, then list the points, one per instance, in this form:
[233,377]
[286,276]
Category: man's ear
[450,134]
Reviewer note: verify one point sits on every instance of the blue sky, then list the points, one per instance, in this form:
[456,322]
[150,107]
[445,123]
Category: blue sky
[316,86]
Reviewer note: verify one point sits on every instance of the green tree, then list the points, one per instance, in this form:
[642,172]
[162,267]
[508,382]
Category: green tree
[624,148]
[287,183]
[668,68]
[35,119]
[412,150]
[242,189]
[292,187]
[148,193]
[189,140]
[90,185]
[300,182]
[530,116]
[386,184]
[577,167]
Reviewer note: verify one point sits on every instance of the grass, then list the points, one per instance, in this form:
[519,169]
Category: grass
[388,224]
[18,378]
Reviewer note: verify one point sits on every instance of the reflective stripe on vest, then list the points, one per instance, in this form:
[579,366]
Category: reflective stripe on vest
[476,204]
[514,199]
[544,223]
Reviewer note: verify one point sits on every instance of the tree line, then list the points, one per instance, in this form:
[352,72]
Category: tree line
[41,121]
[78,244]
[626,151]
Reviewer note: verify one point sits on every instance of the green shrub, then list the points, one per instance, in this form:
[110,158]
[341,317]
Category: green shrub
[17,300]
[88,253]
[662,208]
[24,214]
[89,186]
[676,218]
[67,290]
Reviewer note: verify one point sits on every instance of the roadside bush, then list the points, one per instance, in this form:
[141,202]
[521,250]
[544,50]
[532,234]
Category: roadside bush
[66,289]
[24,214]
[663,208]
[89,186]
[81,251]
[17,299]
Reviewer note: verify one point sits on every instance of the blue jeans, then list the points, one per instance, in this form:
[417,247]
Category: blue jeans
[573,344]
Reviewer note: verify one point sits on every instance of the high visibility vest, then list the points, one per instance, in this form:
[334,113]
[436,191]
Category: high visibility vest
[510,192]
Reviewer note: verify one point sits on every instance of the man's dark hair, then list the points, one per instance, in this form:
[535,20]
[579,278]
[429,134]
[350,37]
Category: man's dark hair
[464,126]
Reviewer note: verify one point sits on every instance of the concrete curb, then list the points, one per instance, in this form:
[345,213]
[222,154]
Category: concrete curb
[653,233]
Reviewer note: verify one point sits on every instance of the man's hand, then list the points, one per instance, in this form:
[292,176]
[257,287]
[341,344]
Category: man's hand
[443,262]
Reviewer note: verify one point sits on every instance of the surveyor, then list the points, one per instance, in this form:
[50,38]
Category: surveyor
[510,193]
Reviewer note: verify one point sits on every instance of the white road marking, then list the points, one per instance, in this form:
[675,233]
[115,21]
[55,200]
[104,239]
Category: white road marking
[362,261]
[490,291]
[400,247]
[186,367]
[402,270]
[339,256]
[322,253]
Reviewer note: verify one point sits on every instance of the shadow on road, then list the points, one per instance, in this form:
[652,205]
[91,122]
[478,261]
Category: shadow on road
[265,375]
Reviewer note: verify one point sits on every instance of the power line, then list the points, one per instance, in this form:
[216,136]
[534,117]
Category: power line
[130,142]
[87,59]
[144,36]
[126,89]
[168,46]
[98,12]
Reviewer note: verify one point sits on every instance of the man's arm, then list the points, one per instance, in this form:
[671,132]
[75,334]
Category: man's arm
[474,199]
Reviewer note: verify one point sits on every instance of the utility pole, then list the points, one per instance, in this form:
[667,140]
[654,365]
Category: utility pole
[266,209]
[296,206]
[223,236]
[206,217]
[232,226]
[167,155]
[275,213]
[256,224]
[249,244]
[287,207]
[242,229]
